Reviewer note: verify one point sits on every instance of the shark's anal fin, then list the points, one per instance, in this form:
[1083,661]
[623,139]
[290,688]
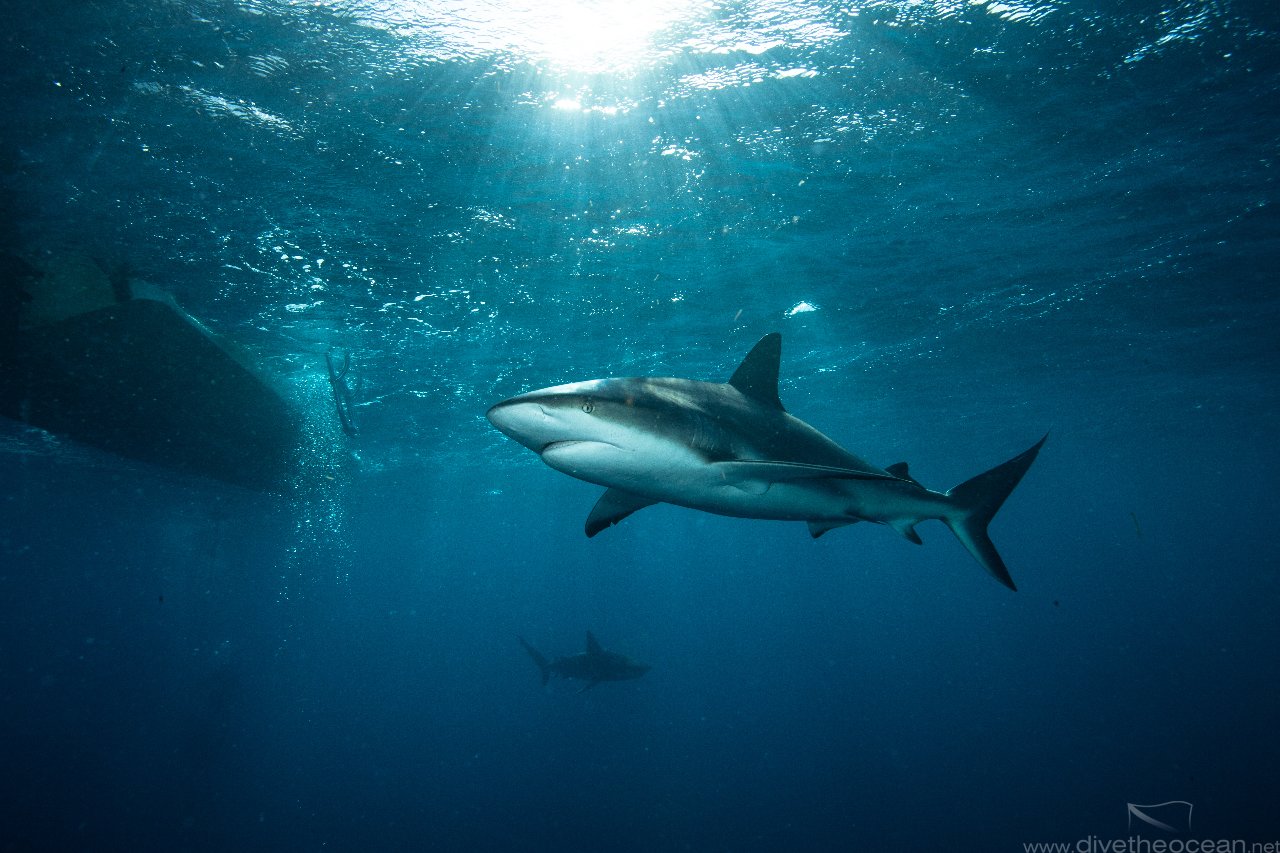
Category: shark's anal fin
[757,376]
[613,506]
[817,528]
[908,531]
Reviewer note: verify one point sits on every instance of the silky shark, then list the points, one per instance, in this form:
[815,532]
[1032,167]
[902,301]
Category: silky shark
[592,666]
[732,449]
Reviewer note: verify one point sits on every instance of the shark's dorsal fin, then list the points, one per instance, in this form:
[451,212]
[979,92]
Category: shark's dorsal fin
[613,506]
[593,645]
[757,376]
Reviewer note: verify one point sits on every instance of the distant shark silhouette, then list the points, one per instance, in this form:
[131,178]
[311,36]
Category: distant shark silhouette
[732,449]
[593,666]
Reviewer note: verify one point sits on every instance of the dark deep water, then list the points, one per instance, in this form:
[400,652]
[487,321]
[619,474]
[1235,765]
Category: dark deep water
[1010,218]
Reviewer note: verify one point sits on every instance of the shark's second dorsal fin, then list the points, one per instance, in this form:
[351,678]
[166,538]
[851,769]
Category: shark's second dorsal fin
[757,376]
[899,470]
[593,645]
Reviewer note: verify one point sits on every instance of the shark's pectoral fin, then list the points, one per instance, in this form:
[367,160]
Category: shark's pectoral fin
[588,686]
[817,528]
[755,477]
[613,506]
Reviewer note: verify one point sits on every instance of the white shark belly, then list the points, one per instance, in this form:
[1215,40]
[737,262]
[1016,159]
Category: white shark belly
[777,501]
[673,474]
[830,500]
[669,473]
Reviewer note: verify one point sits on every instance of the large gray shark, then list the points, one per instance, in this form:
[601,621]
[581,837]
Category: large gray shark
[731,449]
[592,666]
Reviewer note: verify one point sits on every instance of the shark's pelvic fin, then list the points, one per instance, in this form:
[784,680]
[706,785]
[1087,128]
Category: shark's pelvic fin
[817,528]
[593,645]
[543,664]
[757,376]
[613,506]
[975,503]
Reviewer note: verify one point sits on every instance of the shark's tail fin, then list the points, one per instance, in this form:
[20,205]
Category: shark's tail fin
[539,659]
[975,503]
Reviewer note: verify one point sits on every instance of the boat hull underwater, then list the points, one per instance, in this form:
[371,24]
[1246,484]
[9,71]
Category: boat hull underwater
[139,378]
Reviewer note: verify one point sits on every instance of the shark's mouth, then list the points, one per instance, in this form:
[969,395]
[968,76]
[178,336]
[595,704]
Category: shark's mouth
[570,442]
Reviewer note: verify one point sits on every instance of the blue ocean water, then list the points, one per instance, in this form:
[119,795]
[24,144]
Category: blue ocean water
[972,222]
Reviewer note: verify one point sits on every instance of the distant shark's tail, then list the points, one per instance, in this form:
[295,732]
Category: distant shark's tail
[539,659]
[975,503]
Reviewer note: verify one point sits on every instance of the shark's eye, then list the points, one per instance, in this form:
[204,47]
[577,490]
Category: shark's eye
[588,405]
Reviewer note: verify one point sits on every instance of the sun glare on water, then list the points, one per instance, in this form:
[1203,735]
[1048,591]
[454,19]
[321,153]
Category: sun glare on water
[583,36]
[600,36]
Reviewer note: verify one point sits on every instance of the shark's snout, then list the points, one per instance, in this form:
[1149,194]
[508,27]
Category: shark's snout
[549,419]
[534,424]
[516,418]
